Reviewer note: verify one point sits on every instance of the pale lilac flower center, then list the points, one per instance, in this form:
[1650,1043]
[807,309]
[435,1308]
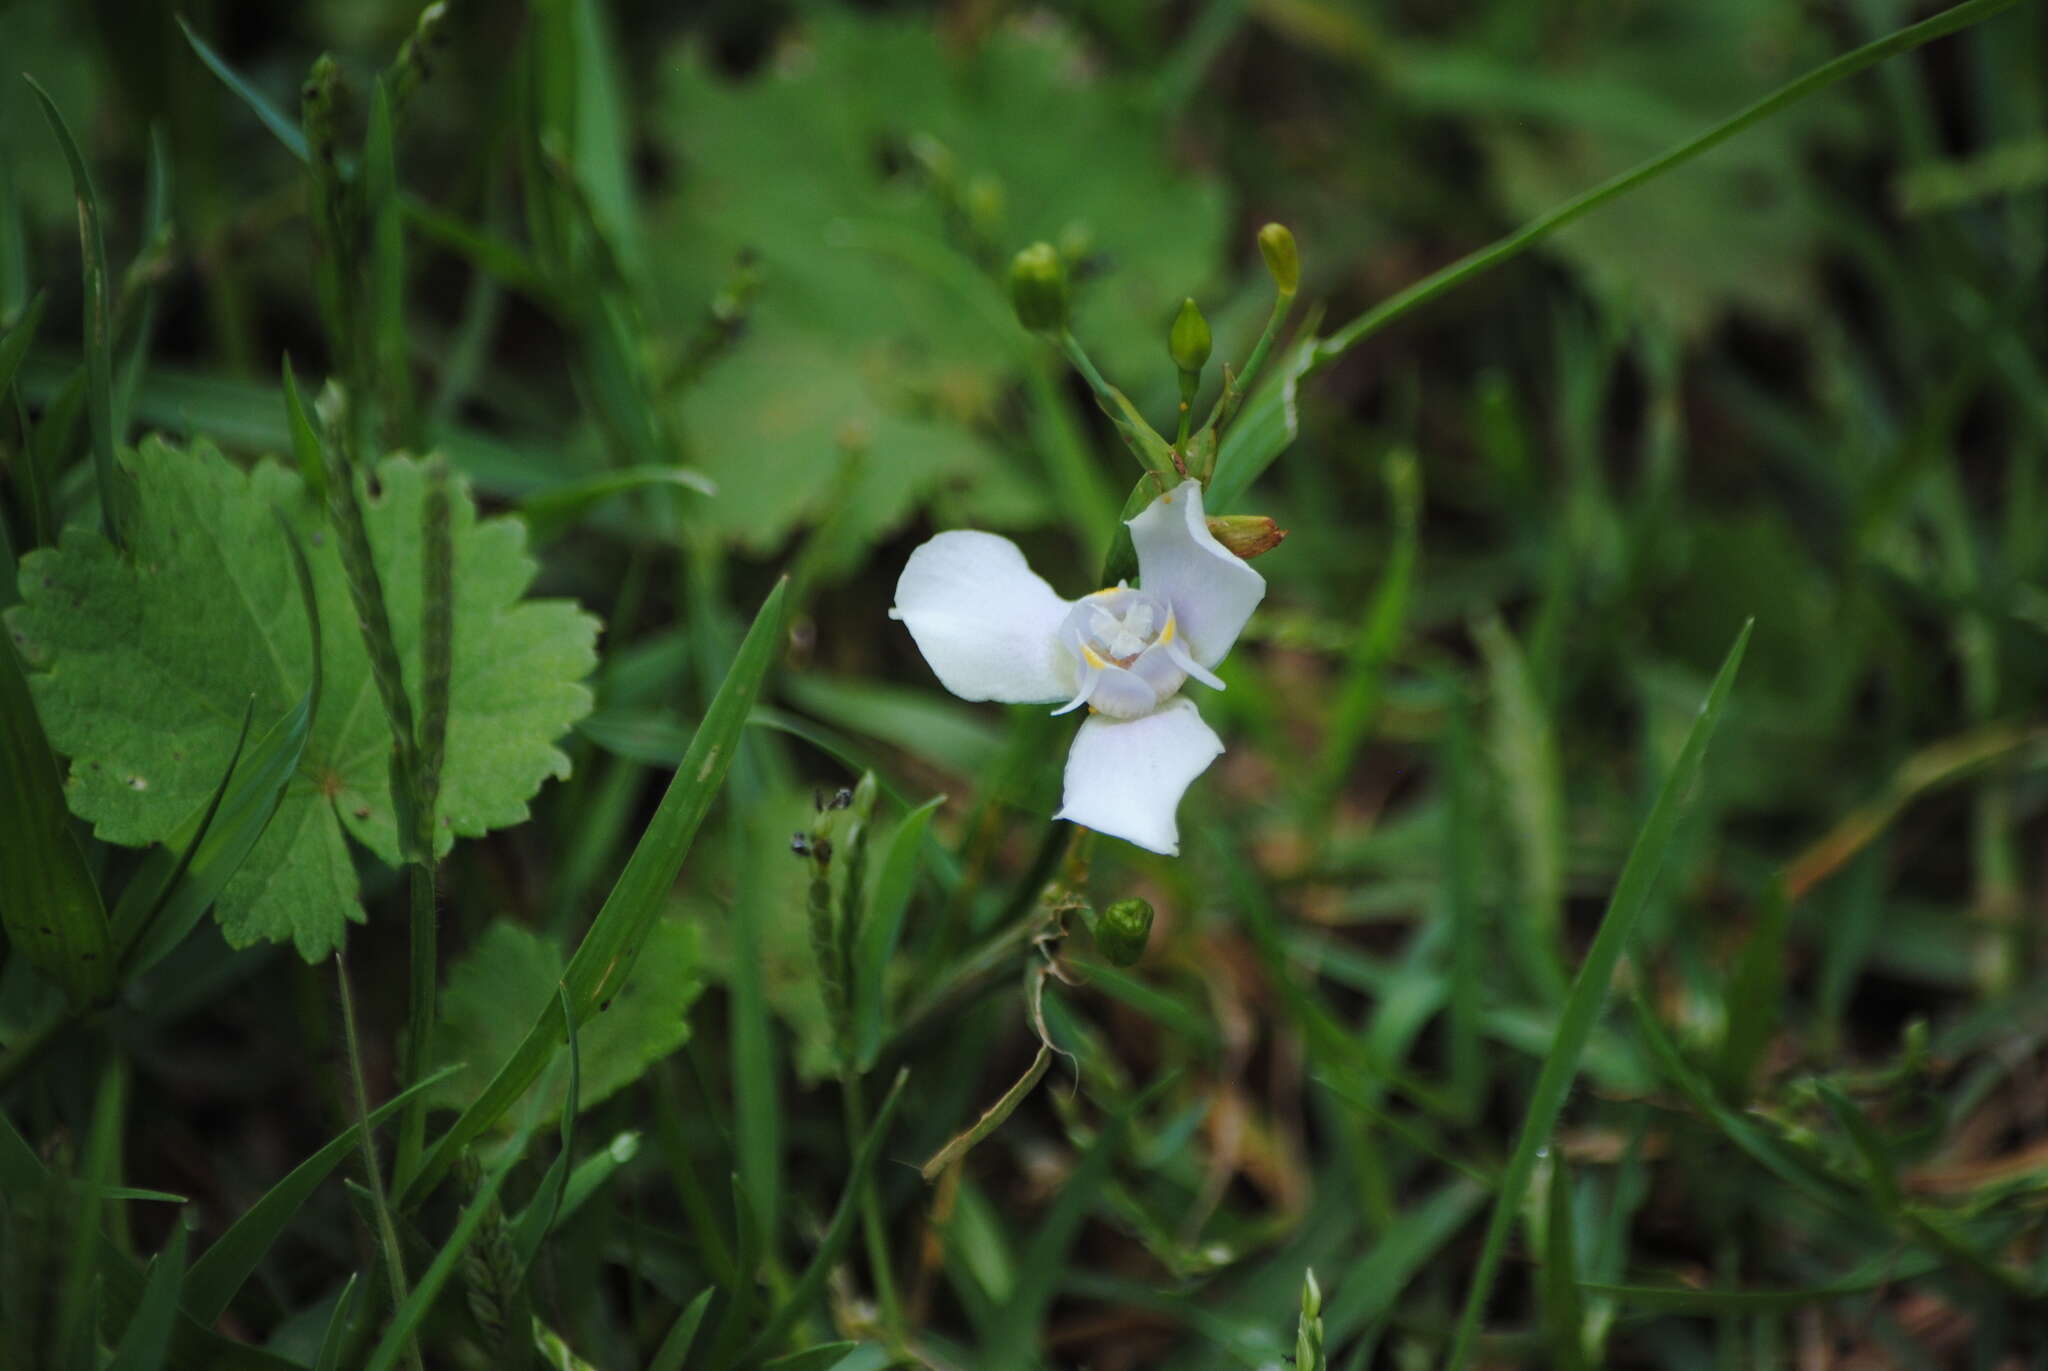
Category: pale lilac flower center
[1128,659]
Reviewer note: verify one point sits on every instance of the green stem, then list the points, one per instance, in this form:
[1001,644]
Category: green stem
[1533,232]
[420,1010]
[873,1229]
[1149,447]
[387,1232]
[1239,386]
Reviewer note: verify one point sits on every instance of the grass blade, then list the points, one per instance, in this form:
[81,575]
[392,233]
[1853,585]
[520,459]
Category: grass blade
[605,957]
[553,512]
[16,344]
[146,1345]
[1014,1341]
[286,130]
[1564,1312]
[336,1337]
[413,1310]
[884,925]
[837,1234]
[1588,993]
[676,1345]
[49,903]
[225,1266]
[98,329]
[820,1358]
[540,1215]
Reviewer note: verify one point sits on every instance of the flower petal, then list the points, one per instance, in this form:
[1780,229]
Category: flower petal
[1125,777]
[1212,590]
[987,623]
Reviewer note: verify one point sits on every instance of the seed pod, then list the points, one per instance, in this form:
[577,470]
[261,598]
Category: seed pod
[1123,930]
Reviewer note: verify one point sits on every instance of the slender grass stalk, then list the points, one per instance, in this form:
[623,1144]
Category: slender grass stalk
[387,1232]
[1588,995]
[1537,229]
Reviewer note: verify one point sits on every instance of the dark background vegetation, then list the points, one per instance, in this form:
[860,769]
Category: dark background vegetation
[1801,380]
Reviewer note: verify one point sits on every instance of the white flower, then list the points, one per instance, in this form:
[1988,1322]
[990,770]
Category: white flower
[994,630]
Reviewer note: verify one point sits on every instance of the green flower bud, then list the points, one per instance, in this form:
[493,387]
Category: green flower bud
[1038,288]
[1283,259]
[1123,930]
[1189,339]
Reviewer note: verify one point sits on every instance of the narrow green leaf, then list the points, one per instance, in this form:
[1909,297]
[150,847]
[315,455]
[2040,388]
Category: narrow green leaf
[838,1233]
[335,1339]
[1014,1341]
[553,512]
[285,130]
[98,329]
[1367,1294]
[1379,634]
[1589,992]
[142,899]
[49,902]
[533,1225]
[146,1346]
[224,1267]
[1889,1269]
[75,1296]
[16,344]
[605,957]
[1879,1167]
[591,1174]
[305,438]
[420,1300]
[1469,929]
[676,1346]
[1564,1312]
[820,1358]
[1262,429]
[884,925]
[1525,751]
[1755,996]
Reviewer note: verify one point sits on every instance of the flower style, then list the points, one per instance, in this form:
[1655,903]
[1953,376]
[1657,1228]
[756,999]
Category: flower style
[992,629]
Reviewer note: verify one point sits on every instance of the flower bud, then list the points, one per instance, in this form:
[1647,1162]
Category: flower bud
[1189,339]
[1038,289]
[1123,930]
[1247,535]
[1276,245]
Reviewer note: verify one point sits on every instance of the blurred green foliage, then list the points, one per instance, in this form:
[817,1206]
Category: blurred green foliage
[715,298]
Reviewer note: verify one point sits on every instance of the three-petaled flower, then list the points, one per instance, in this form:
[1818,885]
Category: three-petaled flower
[992,629]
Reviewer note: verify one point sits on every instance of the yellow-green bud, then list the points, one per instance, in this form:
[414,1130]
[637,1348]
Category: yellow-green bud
[1038,288]
[1283,259]
[1189,340]
[1123,930]
[1247,535]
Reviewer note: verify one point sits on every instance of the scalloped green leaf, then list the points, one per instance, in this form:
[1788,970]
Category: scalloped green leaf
[141,668]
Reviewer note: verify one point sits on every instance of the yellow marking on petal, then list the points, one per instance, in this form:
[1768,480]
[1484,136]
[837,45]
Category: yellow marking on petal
[1094,658]
[1166,634]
